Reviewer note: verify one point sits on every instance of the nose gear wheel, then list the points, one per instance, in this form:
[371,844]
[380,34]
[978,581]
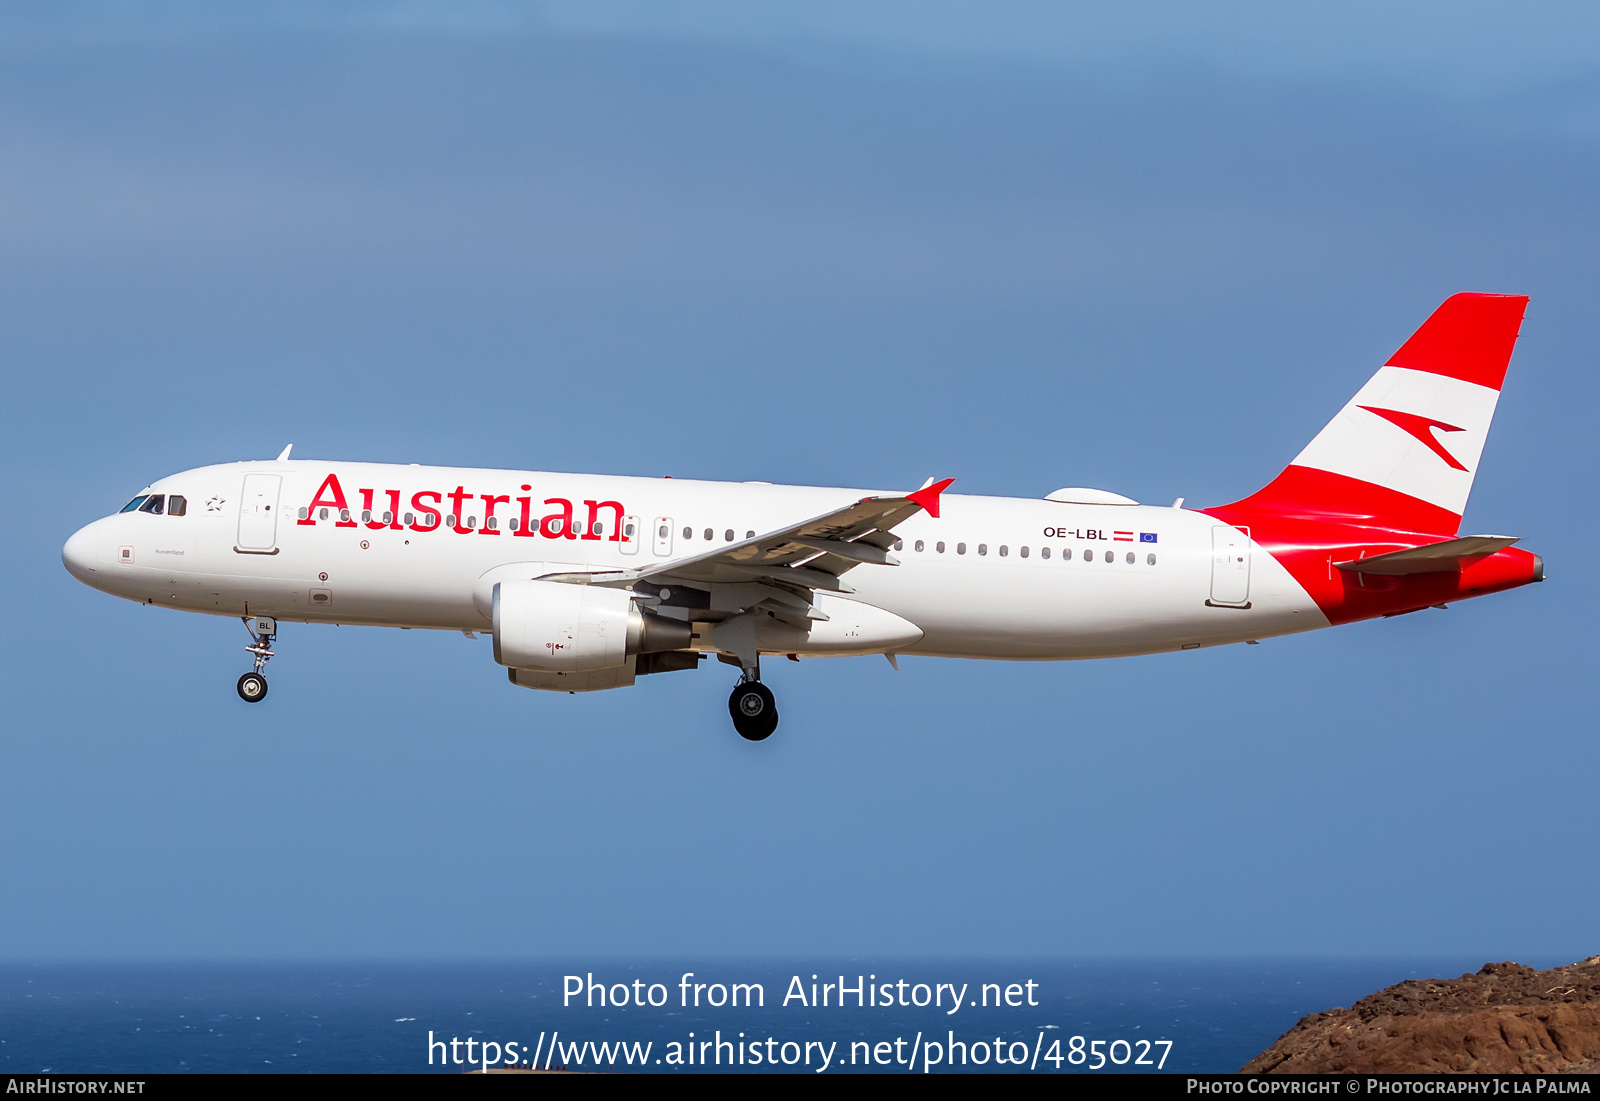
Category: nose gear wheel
[252,688]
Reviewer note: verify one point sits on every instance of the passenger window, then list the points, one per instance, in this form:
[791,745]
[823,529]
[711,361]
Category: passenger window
[939,546]
[133,505]
[322,513]
[661,533]
[961,548]
[1088,554]
[918,545]
[1023,551]
[472,522]
[1003,550]
[1150,559]
[1066,554]
[899,544]
[1111,556]
[708,535]
[688,533]
[627,531]
[577,527]
[1130,558]
[749,535]
[304,512]
[177,506]
[493,523]
[153,504]
[411,519]
[727,536]
[366,516]
[388,518]
[598,529]
[449,521]
[983,548]
[1044,552]
[344,516]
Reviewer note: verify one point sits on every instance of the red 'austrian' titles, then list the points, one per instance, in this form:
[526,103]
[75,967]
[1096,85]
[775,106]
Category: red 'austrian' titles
[561,524]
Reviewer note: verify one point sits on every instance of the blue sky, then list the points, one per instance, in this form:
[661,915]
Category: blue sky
[1021,245]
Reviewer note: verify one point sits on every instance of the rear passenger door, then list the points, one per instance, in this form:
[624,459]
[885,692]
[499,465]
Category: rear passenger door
[1230,567]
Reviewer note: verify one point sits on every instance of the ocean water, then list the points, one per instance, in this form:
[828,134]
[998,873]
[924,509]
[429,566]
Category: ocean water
[350,1017]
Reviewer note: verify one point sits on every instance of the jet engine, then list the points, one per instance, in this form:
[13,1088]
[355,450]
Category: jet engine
[555,627]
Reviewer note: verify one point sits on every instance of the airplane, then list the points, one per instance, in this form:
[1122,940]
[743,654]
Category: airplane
[587,582]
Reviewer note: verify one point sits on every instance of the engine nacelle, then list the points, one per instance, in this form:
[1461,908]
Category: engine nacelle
[548,625]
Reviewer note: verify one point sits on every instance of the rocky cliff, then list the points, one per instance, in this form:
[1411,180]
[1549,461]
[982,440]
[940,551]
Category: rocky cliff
[1507,1018]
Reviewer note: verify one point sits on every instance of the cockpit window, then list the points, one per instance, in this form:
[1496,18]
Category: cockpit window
[177,506]
[133,505]
[155,504]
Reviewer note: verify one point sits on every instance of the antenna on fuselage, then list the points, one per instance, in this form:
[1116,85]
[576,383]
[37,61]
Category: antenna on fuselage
[285,454]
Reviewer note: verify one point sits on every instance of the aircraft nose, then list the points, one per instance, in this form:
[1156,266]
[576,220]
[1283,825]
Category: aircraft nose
[81,555]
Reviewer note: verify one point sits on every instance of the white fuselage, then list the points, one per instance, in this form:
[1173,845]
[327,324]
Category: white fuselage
[1016,579]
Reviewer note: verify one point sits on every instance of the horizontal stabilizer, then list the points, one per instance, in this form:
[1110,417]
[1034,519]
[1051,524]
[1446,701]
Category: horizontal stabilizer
[1450,555]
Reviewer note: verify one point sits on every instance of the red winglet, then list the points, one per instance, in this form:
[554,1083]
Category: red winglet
[928,496]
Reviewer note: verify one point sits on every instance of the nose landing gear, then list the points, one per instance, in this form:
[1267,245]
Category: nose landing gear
[252,687]
[754,711]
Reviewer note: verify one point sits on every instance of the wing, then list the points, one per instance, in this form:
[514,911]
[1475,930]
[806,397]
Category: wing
[780,570]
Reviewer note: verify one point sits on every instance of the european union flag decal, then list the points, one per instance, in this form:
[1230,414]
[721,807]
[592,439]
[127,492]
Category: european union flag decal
[1147,537]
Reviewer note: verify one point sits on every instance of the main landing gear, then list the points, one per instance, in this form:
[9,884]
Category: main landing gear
[754,711]
[253,686]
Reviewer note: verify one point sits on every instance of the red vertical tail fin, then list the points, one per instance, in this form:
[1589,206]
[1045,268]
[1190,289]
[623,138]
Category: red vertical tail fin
[1403,452]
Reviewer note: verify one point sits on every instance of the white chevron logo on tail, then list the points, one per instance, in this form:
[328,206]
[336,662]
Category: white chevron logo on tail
[1383,436]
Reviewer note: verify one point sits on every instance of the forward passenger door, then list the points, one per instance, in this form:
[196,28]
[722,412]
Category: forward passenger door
[258,514]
